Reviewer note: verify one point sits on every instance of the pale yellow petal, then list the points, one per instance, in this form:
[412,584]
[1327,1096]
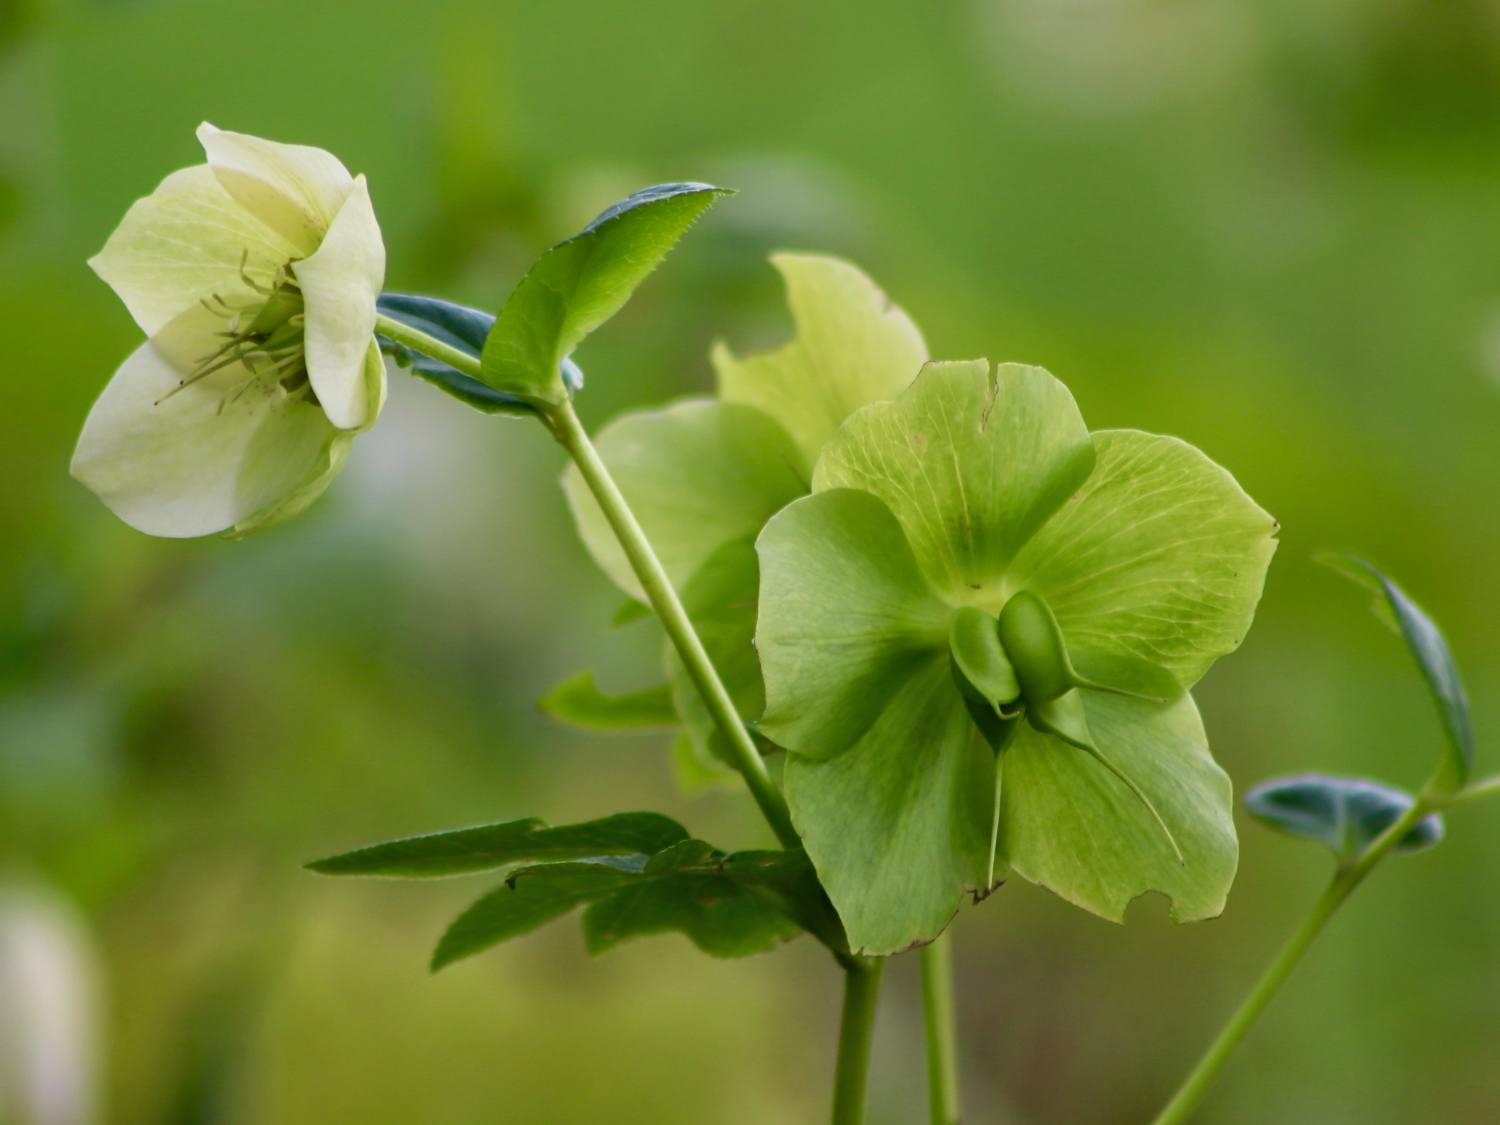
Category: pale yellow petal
[295,189]
[339,286]
[184,243]
[201,460]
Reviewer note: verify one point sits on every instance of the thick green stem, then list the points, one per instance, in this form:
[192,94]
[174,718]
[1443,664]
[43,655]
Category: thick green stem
[1192,1092]
[856,1031]
[942,1031]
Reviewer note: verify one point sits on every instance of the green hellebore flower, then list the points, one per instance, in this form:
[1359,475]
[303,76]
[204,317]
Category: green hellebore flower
[972,568]
[704,474]
[255,276]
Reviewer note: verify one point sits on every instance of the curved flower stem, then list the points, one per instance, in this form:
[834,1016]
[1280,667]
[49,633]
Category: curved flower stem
[856,1031]
[862,975]
[1192,1092]
[942,1031]
[431,346]
[663,598]
[571,435]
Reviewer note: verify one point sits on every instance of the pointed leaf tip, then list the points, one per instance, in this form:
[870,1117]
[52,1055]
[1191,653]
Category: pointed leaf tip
[579,284]
[1433,656]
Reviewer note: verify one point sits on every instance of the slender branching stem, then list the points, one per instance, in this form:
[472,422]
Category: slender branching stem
[856,1032]
[1192,1092]
[942,1031]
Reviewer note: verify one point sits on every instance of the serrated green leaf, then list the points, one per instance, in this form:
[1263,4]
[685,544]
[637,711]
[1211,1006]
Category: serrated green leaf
[851,346]
[582,282]
[788,879]
[490,846]
[729,906]
[532,897]
[458,326]
[579,702]
[1433,656]
[1346,813]
[697,474]
[720,916]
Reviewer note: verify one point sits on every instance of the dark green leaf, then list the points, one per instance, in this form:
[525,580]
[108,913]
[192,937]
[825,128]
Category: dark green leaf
[787,878]
[579,701]
[1434,658]
[1346,813]
[721,917]
[489,846]
[531,897]
[582,282]
[729,906]
[458,326]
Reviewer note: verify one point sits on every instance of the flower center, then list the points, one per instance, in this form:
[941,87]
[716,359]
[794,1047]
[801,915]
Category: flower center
[263,334]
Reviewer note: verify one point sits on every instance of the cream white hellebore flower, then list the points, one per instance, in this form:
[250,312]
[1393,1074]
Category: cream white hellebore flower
[255,277]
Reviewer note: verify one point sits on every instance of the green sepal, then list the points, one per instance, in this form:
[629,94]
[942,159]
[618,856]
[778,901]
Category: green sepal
[1345,813]
[579,702]
[580,283]
[1433,656]
[1065,718]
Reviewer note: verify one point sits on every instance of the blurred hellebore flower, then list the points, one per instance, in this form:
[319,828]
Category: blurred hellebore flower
[980,589]
[255,276]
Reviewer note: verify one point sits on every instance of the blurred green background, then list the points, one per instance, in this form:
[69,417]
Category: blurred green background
[1272,229]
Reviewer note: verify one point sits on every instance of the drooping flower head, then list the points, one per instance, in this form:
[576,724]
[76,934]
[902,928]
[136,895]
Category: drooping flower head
[255,277]
[977,637]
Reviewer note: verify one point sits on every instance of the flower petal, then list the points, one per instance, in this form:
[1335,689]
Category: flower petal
[200,460]
[697,473]
[852,347]
[845,615]
[889,783]
[898,827]
[1158,560]
[339,286]
[183,243]
[294,189]
[971,468]
[1069,825]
